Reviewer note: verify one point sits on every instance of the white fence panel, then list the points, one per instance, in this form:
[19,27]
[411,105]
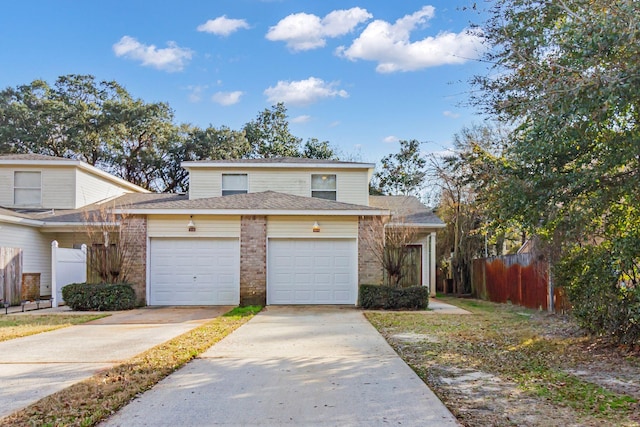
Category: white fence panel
[67,266]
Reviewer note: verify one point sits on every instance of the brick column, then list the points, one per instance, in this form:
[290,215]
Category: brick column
[134,232]
[369,267]
[253,260]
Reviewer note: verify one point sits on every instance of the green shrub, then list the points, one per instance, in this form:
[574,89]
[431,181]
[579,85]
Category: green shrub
[605,298]
[385,297]
[99,297]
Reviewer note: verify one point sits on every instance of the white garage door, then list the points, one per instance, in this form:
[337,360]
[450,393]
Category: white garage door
[318,271]
[194,272]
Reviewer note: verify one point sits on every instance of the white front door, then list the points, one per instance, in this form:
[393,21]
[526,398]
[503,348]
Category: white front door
[312,271]
[194,271]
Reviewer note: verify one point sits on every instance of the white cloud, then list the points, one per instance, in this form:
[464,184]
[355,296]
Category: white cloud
[223,26]
[227,98]
[334,124]
[391,47]
[390,138]
[172,58]
[304,92]
[304,31]
[450,114]
[195,94]
[301,119]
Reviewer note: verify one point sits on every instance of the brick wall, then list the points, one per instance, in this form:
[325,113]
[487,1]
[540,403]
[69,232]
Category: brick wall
[369,268]
[134,232]
[253,260]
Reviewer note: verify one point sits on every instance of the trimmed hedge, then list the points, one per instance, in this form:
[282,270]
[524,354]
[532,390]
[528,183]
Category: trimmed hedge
[99,297]
[385,297]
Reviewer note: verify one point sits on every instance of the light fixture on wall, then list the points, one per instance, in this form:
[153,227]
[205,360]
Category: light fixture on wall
[316,227]
[191,225]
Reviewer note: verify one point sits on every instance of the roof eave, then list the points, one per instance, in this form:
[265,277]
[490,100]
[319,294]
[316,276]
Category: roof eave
[190,164]
[53,227]
[265,212]
[416,225]
[21,221]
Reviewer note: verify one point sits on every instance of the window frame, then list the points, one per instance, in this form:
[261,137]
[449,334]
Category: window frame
[17,188]
[231,192]
[324,190]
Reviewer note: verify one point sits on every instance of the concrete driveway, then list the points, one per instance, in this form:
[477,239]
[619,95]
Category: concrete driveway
[38,365]
[310,366]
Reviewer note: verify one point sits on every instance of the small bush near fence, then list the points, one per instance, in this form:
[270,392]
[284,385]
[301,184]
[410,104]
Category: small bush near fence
[385,297]
[99,297]
[603,302]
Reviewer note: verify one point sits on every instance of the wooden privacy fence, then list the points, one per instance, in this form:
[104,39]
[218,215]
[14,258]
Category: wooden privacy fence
[11,275]
[521,279]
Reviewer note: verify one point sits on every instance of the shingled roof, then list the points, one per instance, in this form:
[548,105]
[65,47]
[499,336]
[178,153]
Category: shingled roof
[32,157]
[406,210]
[263,201]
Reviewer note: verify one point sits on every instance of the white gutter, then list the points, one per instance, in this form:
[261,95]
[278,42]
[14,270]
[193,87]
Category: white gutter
[21,221]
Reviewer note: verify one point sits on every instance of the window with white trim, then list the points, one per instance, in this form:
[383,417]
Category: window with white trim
[27,188]
[234,183]
[323,186]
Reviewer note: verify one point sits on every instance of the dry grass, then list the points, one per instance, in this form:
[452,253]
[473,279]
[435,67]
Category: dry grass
[22,325]
[93,400]
[505,365]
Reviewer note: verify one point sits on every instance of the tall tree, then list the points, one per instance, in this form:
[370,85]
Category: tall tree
[315,149]
[65,120]
[402,172]
[269,134]
[463,178]
[567,73]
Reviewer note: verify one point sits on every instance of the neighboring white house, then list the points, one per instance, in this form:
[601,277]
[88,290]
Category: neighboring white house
[258,231]
[41,200]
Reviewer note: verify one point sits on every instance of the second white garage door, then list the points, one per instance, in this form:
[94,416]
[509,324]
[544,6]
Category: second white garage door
[194,272]
[312,271]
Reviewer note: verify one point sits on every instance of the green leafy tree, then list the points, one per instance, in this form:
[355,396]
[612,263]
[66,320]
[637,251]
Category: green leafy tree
[463,178]
[65,120]
[269,134]
[402,172]
[315,149]
[567,75]
[194,143]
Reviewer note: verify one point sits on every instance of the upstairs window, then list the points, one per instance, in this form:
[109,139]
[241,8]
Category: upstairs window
[234,183]
[27,188]
[323,186]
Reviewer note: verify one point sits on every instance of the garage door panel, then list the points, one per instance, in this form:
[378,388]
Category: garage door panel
[194,272]
[312,271]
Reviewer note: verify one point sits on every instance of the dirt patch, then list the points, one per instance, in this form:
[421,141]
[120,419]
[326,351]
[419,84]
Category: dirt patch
[508,366]
[481,399]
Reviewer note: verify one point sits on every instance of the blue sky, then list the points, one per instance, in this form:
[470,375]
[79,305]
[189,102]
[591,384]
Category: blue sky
[360,74]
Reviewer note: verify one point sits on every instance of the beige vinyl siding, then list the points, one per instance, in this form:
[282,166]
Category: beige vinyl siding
[36,251]
[6,186]
[68,240]
[206,226]
[205,183]
[57,186]
[352,185]
[91,188]
[301,226]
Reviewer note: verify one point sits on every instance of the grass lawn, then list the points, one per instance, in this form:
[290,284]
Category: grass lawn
[93,400]
[505,365]
[16,326]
